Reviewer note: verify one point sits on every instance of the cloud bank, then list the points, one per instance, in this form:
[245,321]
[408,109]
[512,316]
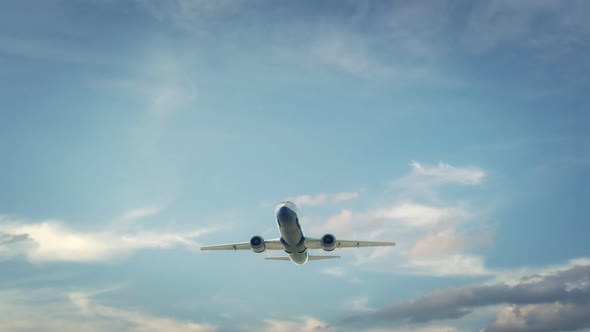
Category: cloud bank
[556,301]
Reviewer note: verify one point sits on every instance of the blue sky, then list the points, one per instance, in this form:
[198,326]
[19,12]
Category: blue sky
[133,132]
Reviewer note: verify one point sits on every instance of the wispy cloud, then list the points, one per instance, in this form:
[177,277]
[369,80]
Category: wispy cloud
[427,176]
[360,304]
[322,198]
[302,324]
[334,271]
[137,320]
[55,310]
[448,240]
[52,241]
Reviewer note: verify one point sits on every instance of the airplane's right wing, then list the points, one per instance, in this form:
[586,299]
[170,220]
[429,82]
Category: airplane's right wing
[317,244]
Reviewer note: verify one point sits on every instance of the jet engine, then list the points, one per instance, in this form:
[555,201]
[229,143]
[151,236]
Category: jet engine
[257,244]
[328,242]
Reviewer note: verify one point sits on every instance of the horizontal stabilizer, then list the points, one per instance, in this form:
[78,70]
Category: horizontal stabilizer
[315,258]
[310,258]
[279,258]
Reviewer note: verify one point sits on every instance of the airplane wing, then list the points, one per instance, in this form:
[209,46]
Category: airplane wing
[274,244]
[317,244]
[310,258]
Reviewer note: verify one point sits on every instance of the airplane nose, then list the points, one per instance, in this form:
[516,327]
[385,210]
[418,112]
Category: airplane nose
[285,215]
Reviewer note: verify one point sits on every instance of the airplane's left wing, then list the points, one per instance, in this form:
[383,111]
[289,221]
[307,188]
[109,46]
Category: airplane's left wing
[317,244]
[274,244]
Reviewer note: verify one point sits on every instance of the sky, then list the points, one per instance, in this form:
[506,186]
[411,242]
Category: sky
[133,132]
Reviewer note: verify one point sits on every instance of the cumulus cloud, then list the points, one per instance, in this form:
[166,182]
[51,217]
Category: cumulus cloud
[556,301]
[52,241]
[322,198]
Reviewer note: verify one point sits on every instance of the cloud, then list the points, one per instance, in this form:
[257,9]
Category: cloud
[562,294]
[448,241]
[322,198]
[12,245]
[140,322]
[334,271]
[546,317]
[56,310]
[432,239]
[140,213]
[52,241]
[459,264]
[420,215]
[442,173]
[415,329]
[312,324]
[359,304]
[302,324]
[404,214]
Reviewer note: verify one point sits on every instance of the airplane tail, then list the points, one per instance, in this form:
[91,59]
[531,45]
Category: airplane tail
[310,258]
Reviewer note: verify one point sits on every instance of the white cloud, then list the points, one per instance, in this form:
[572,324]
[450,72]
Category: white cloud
[322,198]
[419,215]
[444,173]
[52,241]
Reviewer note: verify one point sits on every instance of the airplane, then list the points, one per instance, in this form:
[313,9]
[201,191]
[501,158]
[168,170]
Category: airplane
[292,240]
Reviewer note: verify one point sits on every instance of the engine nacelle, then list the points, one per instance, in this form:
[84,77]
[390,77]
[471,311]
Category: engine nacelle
[257,244]
[328,242]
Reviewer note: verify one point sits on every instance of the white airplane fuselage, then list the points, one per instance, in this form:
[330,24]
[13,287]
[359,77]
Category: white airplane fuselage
[287,216]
